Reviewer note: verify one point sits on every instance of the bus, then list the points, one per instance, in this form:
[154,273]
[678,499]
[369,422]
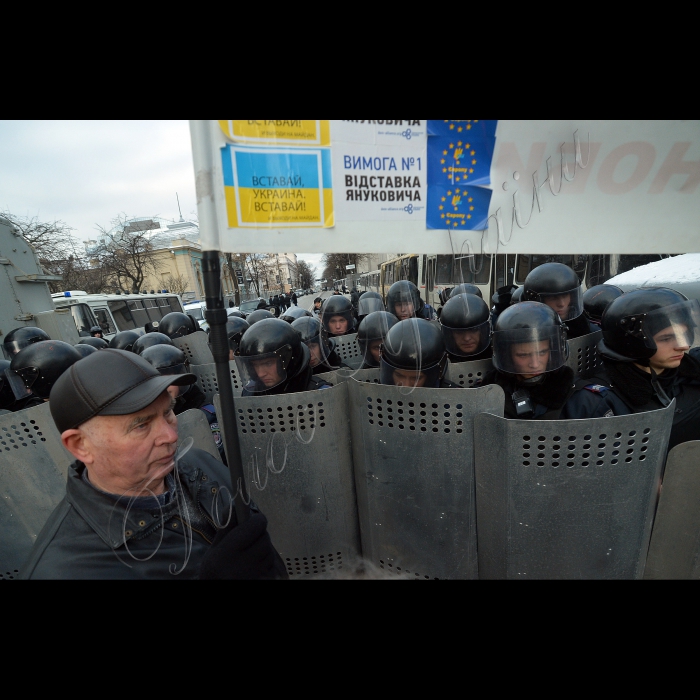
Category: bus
[115,312]
[435,273]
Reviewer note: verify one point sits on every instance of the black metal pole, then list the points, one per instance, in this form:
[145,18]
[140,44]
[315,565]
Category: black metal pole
[216,318]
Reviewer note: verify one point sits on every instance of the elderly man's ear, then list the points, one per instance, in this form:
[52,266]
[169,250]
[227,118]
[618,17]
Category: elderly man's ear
[77,442]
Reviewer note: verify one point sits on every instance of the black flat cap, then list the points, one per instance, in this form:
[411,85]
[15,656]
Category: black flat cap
[108,383]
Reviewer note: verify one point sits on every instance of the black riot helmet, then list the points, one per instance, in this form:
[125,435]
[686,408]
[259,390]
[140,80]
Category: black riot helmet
[337,305]
[413,355]
[149,340]
[7,396]
[97,343]
[236,313]
[167,359]
[40,365]
[517,296]
[293,313]
[96,332]
[235,328]
[124,340]
[502,299]
[466,288]
[258,315]
[596,300]
[176,325]
[313,333]
[270,355]
[466,325]
[369,303]
[402,294]
[20,338]
[84,349]
[374,328]
[631,321]
[529,339]
[558,286]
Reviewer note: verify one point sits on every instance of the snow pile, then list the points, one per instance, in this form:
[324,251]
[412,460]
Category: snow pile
[682,269]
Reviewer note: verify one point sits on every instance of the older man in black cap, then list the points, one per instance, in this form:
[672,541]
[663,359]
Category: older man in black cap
[135,508]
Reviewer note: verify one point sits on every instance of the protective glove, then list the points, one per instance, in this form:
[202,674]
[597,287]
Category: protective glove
[243,553]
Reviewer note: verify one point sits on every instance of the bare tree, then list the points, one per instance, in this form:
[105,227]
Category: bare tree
[306,274]
[335,263]
[255,265]
[126,253]
[177,284]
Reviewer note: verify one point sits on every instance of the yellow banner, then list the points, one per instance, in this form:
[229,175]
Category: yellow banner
[301,132]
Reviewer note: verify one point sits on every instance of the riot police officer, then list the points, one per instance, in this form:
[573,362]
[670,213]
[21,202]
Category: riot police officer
[293,313]
[501,300]
[149,340]
[169,360]
[176,325]
[559,287]
[272,360]
[321,347]
[97,343]
[258,315]
[20,338]
[404,301]
[517,296]
[371,334]
[466,288]
[466,328]
[413,355]
[337,316]
[40,365]
[530,350]
[84,349]
[596,300]
[650,356]
[96,332]
[369,303]
[124,340]
[235,328]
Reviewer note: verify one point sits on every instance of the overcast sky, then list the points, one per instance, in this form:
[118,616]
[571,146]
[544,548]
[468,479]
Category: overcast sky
[87,172]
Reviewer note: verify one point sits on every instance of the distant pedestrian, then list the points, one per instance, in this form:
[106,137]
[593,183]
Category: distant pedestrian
[294,298]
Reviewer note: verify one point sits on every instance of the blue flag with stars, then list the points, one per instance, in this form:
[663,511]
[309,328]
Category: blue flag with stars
[460,208]
[476,129]
[459,161]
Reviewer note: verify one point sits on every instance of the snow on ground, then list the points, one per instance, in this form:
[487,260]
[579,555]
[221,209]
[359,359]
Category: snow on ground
[681,269]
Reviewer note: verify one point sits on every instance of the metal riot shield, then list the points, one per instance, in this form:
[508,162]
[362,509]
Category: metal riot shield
[209,384]
[33,471]
[414,470]
[583,355]
[196,348]
[467,374]
[568,499]
[343,374]
[348,350]
[297,460]
[193,424]
[674,552]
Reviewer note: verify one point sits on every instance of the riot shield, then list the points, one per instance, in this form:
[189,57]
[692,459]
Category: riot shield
[196,348]
[343,374]
[33,471]
[297,460]
[568,499]
[414,470]
[583,355]
[674,552]
[209,384]
[193,424]
[348,350]
[467,374]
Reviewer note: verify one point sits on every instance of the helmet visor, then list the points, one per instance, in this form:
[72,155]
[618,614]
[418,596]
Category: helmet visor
[319,348]
[569,305]
[465,342]
[409,378]
[370,350]
[15,346]
[530,351]
[672,327]
[17,383]
[263,372]
[368,306]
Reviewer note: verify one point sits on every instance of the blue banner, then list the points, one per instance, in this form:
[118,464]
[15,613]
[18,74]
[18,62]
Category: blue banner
[476,129]
[458,208]
[453,162]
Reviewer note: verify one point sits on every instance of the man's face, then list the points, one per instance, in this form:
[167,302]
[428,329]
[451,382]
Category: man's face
[531,359]
[467,341]
[317,305]
[267,371]
[404,309]
[338,325]
[128,454]
[411,378]
[374,346]
[560,303]
[671,344]
[316,357]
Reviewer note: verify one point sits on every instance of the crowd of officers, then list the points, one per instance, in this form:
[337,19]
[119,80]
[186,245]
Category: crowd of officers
[649,348]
